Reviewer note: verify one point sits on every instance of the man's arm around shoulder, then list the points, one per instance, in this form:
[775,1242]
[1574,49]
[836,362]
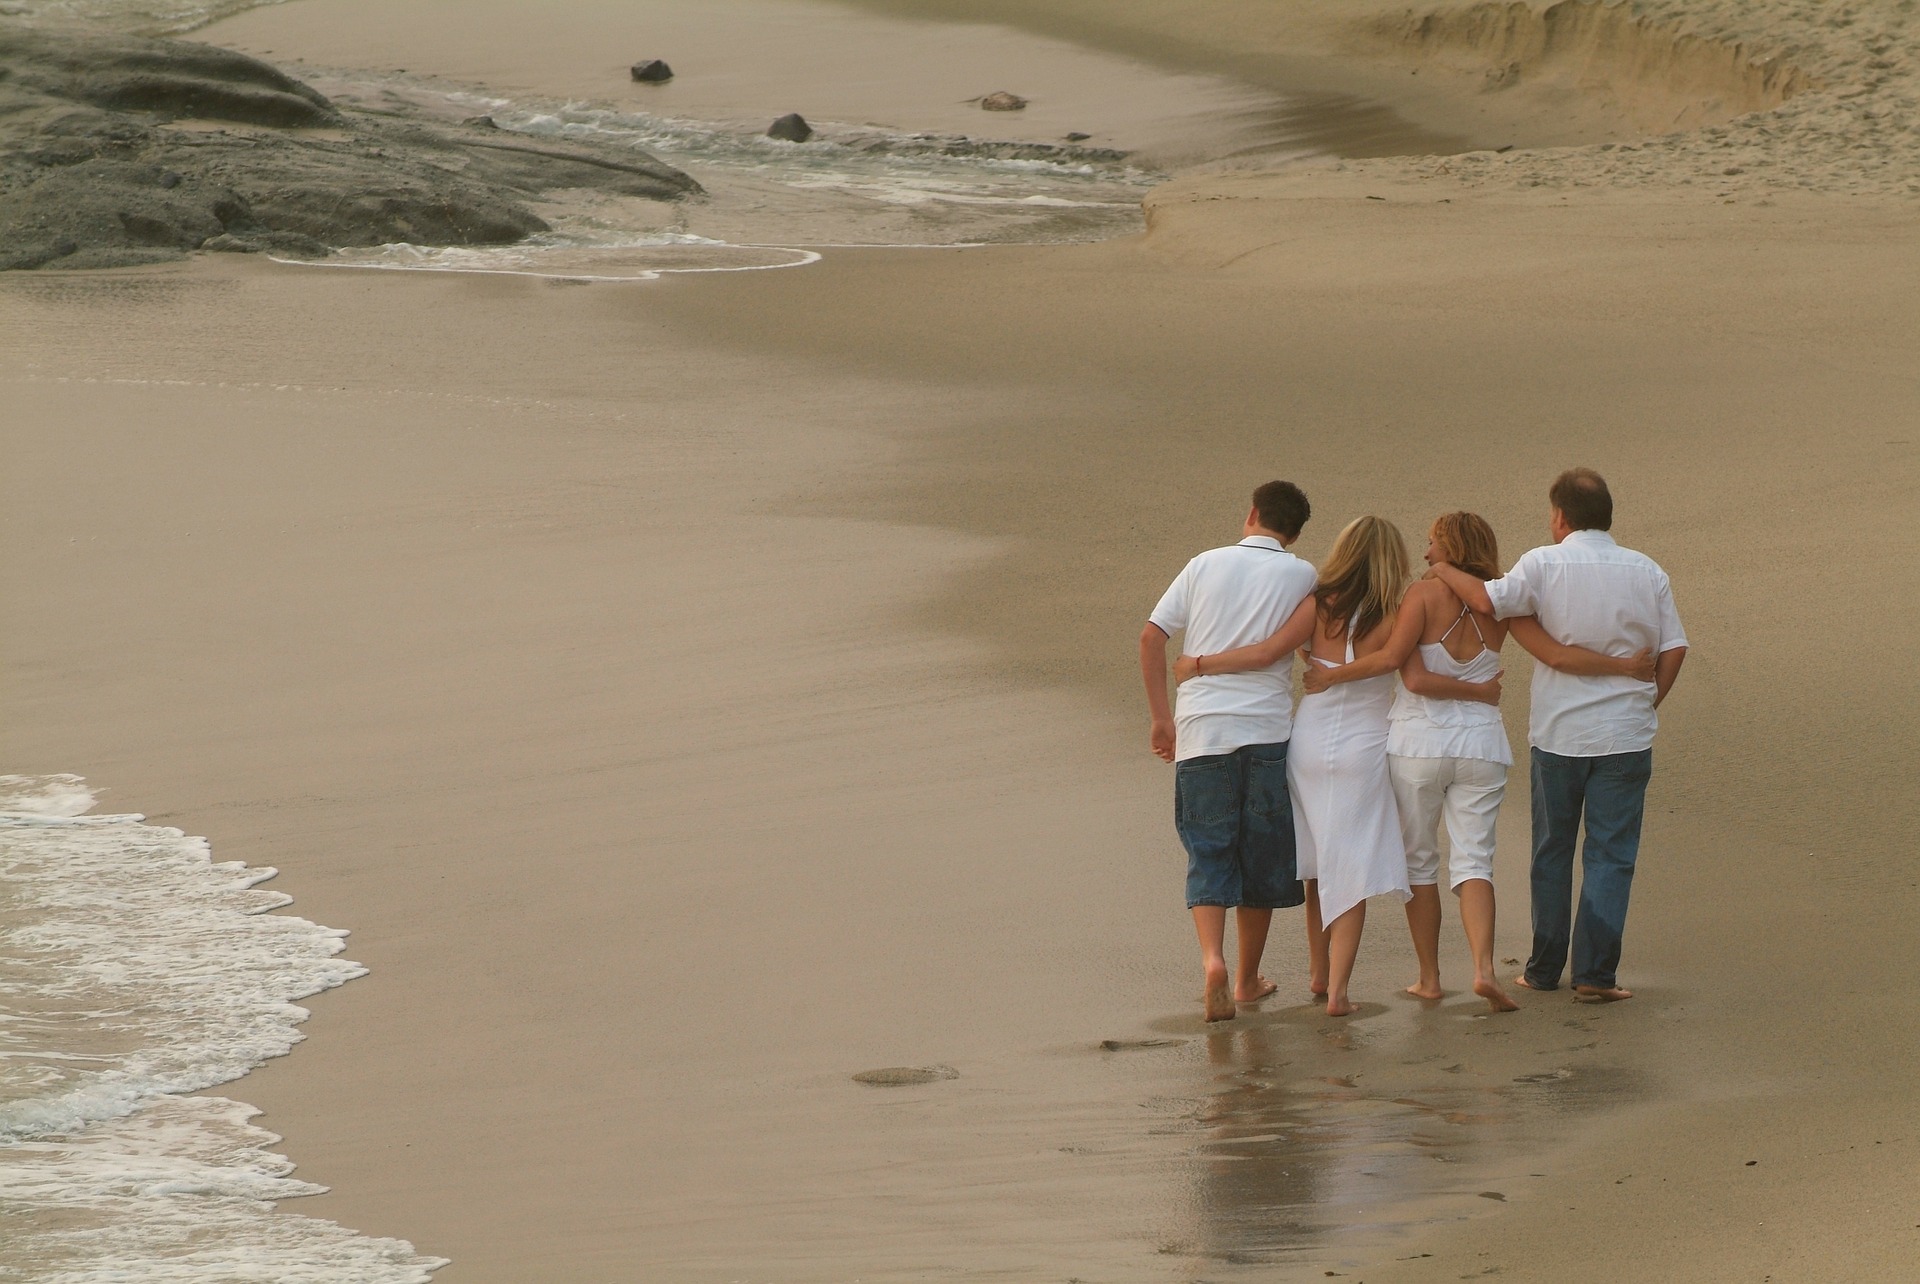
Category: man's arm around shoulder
[1470,589]
[1153,671]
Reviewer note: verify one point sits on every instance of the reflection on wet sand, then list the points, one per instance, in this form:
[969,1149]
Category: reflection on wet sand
[1315,1136]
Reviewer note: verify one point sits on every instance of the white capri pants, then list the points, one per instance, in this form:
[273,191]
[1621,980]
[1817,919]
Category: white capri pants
[1468,791]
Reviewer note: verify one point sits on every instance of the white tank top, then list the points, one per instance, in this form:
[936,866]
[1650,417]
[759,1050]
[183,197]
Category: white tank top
[1423,727]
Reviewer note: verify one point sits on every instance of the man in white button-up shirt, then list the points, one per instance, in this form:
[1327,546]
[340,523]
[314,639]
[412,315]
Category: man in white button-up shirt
[1592,737]
[1228,742]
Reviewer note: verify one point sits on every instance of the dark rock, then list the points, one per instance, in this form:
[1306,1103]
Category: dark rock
[1003,101]
[792,128]
[537,164]
[90,257]
[1077,137]
[92,176]
[481,122]
[266,243]
[169,78]
[652,72]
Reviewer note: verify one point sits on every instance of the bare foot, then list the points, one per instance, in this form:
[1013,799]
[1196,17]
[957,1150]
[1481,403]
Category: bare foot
[1219,995]
[1317,986]
[1525,984]
[1600,994]
[1259,990]
[1497,999]
[1420,990]
[1341,1006]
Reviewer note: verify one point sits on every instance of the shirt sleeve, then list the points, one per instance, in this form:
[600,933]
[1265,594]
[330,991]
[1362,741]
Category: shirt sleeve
[1514,593]
[1671,634]
[1170,616]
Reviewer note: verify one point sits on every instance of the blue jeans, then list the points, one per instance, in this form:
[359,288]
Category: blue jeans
[1235,818]
[1612,790]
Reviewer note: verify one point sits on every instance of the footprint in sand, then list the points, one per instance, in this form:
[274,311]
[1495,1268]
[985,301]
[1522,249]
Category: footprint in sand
[903,1076]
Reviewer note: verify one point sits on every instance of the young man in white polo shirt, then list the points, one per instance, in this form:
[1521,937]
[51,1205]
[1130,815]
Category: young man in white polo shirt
[1228,741]
[1592,737]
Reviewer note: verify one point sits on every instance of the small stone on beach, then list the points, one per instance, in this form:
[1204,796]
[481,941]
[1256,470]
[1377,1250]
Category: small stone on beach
[1003,101]
[652,71]
[791,128]
[1077,137]
[1131,1045]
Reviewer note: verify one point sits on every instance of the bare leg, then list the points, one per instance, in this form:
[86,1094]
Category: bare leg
[1423,921]
[1250,933]
[1343,946]
[1210,922]
[1476,915]
[1316,941]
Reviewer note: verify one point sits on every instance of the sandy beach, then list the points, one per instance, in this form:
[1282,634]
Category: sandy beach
[692,692]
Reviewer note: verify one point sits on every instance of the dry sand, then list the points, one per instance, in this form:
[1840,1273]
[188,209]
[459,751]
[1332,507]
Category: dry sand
[693,693]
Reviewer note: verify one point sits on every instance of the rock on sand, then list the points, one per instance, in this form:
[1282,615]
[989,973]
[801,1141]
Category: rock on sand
[791,128]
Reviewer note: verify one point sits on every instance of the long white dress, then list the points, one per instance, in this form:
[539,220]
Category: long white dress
[1346,825]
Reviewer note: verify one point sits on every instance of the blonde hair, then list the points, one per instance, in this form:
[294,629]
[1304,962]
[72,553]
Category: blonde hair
[1363,576]
[1468,543]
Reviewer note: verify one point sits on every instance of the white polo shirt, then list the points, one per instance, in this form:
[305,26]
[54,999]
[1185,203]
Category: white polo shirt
[1588,591]
[1225,598]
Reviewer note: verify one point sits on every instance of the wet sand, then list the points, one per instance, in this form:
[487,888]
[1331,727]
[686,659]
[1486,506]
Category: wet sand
[696,692]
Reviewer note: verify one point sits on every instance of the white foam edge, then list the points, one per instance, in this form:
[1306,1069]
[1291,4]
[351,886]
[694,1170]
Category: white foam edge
[61,794]
[808,258]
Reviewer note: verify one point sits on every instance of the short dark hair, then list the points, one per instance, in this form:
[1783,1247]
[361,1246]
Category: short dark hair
[1282,508]
[1583,499]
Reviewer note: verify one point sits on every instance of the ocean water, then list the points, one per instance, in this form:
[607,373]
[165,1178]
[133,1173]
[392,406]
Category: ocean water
[136,970]
[143,17]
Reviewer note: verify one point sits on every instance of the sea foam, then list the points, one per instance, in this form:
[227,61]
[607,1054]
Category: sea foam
[135,969]
[145,17]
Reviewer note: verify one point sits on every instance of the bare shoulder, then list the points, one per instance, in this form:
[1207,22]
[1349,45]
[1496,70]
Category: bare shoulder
[1431,596]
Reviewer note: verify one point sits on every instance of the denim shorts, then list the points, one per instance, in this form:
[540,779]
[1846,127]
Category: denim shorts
[1235,818]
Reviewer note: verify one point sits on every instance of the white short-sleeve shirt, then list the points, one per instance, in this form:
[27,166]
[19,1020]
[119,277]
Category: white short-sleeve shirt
[1226,598]
[1588,591]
